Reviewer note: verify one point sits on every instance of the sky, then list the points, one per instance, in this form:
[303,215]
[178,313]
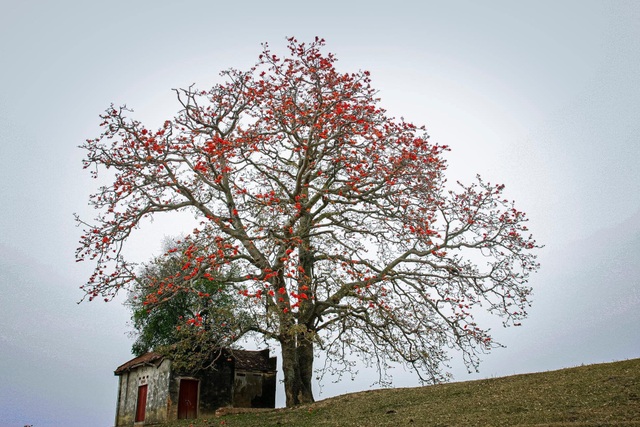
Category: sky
[543,96]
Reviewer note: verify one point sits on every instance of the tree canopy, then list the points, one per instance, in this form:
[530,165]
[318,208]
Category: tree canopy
[332,220]
[185,323]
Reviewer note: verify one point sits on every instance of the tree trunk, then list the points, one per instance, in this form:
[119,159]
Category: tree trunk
[297,364]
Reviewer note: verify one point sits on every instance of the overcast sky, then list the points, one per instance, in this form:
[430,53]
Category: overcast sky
[543,96]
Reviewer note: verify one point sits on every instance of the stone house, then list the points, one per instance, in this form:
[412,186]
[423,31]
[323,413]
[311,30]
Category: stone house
[150,391]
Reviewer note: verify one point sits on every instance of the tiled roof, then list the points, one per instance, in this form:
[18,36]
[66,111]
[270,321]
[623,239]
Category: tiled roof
[245,360]
[145,359]
[253,360]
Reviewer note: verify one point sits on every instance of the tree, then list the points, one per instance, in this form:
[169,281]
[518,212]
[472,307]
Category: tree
[331,219]
[202,319]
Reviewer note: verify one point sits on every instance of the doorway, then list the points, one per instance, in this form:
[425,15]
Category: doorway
[142,403]
[188,399]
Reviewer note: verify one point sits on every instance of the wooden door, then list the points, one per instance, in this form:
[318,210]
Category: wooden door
[142,403]
[188,399]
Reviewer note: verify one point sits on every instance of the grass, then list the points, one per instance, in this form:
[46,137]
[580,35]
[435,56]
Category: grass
[595,395]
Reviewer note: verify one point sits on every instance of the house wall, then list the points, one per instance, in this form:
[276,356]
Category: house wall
[254,389]
[157,380]
[215,390]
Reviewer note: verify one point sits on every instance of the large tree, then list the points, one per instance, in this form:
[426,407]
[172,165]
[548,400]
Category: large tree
[333,220]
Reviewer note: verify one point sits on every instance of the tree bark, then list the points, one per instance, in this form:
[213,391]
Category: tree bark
[297,364]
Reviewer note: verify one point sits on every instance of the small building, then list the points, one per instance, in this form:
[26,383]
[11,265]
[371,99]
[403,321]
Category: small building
[150,391]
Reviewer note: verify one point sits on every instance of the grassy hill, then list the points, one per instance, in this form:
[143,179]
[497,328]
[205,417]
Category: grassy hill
[595,395]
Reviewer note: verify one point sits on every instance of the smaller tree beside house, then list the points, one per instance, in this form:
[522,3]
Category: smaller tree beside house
[188,326]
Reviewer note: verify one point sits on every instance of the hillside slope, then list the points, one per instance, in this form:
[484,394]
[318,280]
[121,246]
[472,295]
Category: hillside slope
[594,395]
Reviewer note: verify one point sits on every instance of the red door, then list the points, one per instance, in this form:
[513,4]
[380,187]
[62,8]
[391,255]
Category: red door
[188,399]
[142,403]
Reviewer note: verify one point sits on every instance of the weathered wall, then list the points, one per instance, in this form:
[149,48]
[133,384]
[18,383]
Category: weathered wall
[254,390]
[157,380]
[122,417]
[214,391]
